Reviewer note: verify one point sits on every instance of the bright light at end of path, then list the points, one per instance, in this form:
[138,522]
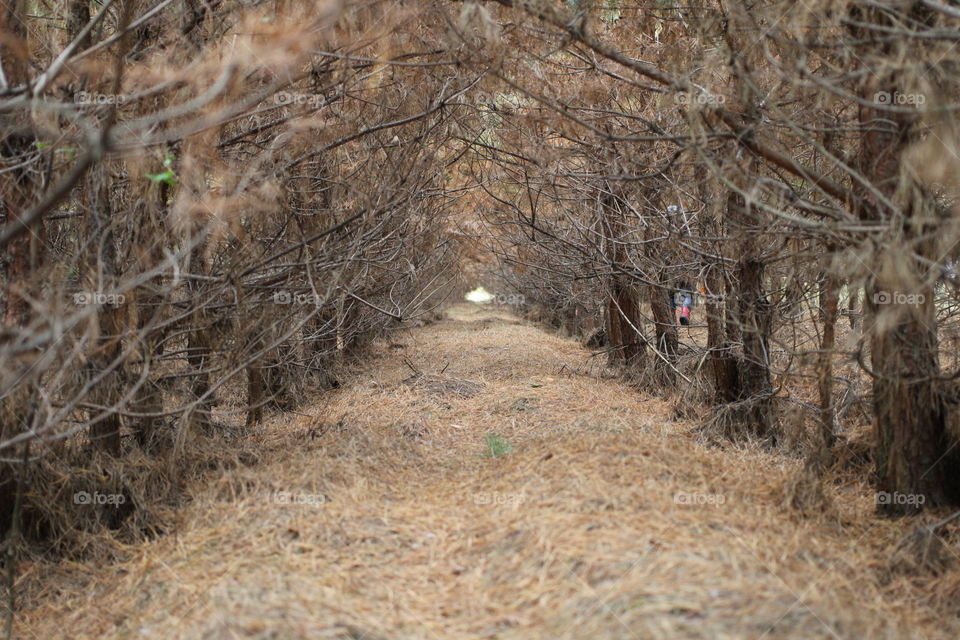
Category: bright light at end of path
[480,295]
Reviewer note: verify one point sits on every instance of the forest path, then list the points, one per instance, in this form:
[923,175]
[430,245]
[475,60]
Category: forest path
[379,513]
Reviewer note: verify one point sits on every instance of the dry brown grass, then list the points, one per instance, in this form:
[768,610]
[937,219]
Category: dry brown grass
[584,530]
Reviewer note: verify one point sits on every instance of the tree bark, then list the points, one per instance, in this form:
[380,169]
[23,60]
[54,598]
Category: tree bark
[829,300]
[199,347]
[665,328]
[17,191]
[753,320]
[720,359]
[150,330]
[623,306]
[913,456]
[101,275]
[78,15]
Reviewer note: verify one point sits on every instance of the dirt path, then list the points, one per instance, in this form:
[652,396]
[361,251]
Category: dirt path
[381,513]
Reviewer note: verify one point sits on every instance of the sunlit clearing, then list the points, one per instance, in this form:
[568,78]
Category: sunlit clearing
[479,295]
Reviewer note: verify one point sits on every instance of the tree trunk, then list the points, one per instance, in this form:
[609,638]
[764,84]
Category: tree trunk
[624,315]
[853,307]
[665,329]
[721,362]
[199,347]
[753,320]
[754,317]
[913,456]
[256,384]
[150,302]
[78,15]
[829,294]
[623,307]
[18,190]
[102,276]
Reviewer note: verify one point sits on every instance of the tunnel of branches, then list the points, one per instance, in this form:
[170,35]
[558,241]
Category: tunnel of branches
[210,208]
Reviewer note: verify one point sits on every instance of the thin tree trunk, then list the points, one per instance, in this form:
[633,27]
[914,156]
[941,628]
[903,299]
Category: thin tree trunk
[721,361]
[78,15]
[829,305]
[853,307]
[754,317]
[256,386]
[665,329]
[101,276]
[150,302]
[199,347]
[753,320]
[623,308]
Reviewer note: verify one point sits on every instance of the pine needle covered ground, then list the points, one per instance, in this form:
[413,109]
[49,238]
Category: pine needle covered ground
[481,478]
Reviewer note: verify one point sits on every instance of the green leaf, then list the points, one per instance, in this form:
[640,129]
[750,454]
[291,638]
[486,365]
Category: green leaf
[167,177]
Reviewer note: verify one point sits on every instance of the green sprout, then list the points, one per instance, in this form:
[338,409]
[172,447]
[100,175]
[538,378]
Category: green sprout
[496,446]
[167,177]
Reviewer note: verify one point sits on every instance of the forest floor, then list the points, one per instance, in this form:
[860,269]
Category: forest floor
[511,489]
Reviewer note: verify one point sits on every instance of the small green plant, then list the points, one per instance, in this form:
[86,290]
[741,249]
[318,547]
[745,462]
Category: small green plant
[496,446]
[168,176]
